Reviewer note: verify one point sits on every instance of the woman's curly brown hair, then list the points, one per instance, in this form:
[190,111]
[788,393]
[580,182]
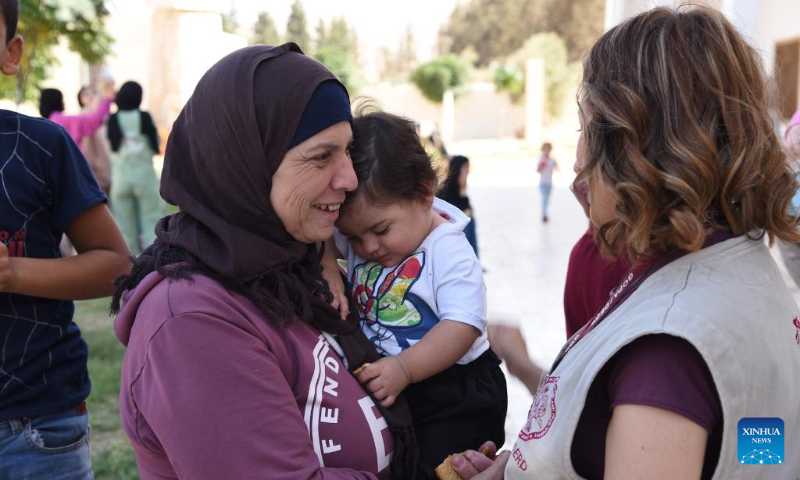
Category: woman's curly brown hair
[678,127]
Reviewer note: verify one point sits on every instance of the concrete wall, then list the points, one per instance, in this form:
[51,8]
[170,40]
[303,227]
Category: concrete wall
[480,112]
[778,20]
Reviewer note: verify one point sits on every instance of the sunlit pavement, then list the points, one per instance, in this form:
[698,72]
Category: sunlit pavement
[526,265]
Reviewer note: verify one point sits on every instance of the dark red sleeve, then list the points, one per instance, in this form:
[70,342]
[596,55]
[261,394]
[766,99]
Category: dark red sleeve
[590,278]
[665,372]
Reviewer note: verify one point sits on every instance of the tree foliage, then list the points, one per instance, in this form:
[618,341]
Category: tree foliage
[337,49]
[230,23]
[496,28]
[493,28]
[510,78]
[264,31]
[559,74]
[343,65]
[297,28]
[42,24]
[337,36]
[397,65]
[447,72]
[578,22]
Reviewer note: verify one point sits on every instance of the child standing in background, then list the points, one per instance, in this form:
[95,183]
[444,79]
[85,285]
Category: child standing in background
[420,294]
[545,167]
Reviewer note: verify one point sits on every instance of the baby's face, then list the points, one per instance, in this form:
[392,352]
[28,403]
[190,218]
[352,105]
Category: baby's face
[386,233]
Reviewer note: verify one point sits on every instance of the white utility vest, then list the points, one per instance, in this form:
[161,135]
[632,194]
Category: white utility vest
[730,302]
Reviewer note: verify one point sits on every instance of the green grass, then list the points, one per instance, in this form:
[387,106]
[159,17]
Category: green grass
[112,455]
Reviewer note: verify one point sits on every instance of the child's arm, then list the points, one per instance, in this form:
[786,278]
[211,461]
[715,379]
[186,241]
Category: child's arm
[439,349]
[102,257]
[508,344]
[330,271]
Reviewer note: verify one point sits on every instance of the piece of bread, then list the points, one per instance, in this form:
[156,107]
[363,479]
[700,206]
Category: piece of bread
[445,470]
[360,369]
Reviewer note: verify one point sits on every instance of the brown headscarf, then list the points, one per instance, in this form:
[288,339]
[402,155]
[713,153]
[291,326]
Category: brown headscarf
[224,148]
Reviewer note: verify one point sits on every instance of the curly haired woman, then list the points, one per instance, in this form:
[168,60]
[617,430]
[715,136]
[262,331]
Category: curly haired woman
[686,177]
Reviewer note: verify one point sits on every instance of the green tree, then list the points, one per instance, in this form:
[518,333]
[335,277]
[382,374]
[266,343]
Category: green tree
[264,31]
[342,37]
[510,78]
[343,65]
[42,23]
[496,28]
[447,72]
[296,28]
[230,24]
[321,35]
[559,74]
[578,22]
[493,28]
[396,66]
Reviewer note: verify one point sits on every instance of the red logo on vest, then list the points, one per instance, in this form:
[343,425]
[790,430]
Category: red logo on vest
[797,334]
[543,411]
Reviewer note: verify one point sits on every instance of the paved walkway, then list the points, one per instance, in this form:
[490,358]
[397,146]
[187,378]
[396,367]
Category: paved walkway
[526,264]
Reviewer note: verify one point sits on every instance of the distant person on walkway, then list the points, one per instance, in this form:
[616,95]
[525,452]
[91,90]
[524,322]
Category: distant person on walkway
[546,166]
[51,107]
[454,192]
[95,146]
[431,138]
[135,200]
[686,183]
[44,382]
[420,293]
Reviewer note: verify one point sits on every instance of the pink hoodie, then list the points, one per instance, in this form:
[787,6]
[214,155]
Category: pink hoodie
[210,389]
[85,124]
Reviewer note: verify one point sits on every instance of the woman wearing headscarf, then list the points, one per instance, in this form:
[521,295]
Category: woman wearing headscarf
[134,140]
[236,364]
[454,192]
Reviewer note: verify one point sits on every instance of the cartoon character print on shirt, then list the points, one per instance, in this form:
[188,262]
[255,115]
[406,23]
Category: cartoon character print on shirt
[391,312]
[543,411]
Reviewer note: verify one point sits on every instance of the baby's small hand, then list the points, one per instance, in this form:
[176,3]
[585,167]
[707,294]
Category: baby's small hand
[386,378]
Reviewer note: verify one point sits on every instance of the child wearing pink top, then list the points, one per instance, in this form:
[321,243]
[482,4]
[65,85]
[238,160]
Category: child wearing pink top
[51,107]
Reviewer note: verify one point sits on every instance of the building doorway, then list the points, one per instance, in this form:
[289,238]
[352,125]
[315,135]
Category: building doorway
[787,76]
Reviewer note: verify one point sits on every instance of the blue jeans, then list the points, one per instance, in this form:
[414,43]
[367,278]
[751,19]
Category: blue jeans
[545,188]
[53,447]
[471,234]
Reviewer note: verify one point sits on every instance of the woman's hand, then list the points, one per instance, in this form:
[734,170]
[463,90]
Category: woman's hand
[386,378]
[481,466]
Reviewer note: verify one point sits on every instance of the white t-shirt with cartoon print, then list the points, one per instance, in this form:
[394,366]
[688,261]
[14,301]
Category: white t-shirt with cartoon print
[441,280]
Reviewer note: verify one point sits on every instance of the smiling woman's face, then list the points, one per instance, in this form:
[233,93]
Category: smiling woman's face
[310,184]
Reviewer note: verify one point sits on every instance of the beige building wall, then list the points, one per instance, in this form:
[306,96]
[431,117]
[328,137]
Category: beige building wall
[480,112]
